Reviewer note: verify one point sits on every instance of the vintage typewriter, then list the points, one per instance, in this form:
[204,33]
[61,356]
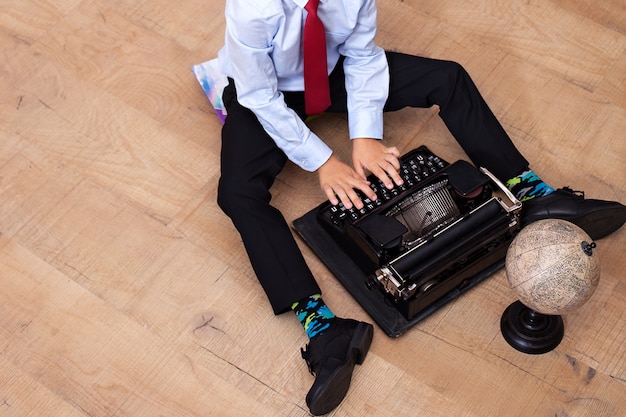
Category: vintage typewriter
[420,241]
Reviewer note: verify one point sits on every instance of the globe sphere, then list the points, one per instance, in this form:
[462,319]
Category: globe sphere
[551,266]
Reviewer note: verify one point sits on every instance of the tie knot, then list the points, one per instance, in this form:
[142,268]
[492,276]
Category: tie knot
[311,6]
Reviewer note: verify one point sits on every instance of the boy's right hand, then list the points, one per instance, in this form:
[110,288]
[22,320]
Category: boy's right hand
[339,181]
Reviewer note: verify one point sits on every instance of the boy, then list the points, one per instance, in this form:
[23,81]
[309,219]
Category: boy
[266,55]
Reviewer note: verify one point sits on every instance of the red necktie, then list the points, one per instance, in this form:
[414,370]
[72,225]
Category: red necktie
[316,89]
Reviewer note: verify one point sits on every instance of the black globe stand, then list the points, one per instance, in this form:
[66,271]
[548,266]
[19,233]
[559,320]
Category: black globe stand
[529,331]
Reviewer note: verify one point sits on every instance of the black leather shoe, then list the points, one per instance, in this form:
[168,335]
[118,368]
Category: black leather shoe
[331,358]
[598,218]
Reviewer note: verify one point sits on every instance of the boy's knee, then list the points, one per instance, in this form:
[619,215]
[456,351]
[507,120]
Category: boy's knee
[225,196]
[235,193]
[454,80]
[454,71]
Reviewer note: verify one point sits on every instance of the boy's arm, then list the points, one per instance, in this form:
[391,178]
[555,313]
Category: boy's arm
[249,30]
[367,85]
[366,76]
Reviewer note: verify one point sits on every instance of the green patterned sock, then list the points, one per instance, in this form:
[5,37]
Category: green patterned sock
[527,186]
[314,315]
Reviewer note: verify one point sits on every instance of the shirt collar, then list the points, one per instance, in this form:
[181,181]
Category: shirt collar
[302,3]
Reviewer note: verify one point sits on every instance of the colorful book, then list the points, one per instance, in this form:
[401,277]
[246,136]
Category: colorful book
[213,83]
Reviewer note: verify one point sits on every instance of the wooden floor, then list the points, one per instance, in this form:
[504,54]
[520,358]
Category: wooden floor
[125,291]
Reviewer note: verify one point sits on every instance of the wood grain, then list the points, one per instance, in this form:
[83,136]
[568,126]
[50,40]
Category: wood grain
[126,291]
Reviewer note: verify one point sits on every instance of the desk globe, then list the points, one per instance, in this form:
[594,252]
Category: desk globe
[551,267]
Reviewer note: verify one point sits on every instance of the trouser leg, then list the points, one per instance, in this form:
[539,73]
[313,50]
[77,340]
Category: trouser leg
[424,82]
[250,161]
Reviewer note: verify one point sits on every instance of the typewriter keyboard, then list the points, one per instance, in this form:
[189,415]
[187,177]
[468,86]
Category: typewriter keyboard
[415,167]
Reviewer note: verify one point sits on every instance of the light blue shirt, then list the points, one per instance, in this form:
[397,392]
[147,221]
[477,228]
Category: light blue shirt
[263,54]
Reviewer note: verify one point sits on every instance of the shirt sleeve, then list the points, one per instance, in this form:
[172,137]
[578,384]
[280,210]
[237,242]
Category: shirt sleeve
[250,27]
[367,76]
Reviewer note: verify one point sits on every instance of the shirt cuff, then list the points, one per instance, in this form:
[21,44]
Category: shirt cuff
[366,124]
[311,155]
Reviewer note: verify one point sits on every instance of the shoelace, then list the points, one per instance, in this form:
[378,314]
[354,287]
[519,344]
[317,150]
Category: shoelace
[580,194]
[306,355]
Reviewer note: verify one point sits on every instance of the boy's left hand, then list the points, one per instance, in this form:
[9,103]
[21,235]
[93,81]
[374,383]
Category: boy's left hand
[372,155]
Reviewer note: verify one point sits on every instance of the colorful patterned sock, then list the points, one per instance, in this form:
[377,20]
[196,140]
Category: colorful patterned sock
[314,315]
[527,186]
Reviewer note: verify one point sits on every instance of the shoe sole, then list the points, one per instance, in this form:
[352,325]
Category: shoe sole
[361,341]
[328,399]
[602,223]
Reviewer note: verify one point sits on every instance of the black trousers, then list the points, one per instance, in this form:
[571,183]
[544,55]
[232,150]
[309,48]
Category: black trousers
[250,161]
